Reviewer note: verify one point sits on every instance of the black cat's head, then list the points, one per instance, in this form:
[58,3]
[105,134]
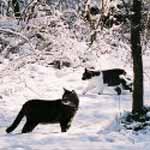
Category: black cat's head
[70,98]
[88,74]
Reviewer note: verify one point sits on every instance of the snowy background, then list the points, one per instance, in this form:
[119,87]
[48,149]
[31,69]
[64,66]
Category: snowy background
[28,49]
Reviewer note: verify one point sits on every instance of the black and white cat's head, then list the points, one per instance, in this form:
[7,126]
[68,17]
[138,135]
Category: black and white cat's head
[89,74]
[70,98]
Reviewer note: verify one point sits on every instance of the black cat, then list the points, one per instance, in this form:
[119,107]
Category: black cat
[41,111]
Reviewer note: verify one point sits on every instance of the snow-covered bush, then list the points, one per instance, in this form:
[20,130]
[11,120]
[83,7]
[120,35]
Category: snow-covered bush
[44,35]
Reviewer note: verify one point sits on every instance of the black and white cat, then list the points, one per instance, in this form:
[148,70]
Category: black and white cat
[38,111]
[113,77]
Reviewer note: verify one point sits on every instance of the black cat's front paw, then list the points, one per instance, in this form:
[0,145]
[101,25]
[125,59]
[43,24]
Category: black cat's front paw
[63,130]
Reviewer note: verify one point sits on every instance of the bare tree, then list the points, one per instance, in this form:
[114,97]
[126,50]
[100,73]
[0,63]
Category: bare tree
[137,106]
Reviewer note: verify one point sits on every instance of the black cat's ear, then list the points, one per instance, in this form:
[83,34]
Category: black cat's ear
[73,91]
[65,90]
[86,70]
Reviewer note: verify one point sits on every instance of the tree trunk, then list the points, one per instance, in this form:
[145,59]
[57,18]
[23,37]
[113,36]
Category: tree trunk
[16,7]
[137,106]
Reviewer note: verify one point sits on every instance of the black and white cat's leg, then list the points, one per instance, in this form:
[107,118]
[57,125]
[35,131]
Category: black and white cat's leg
[118,90]
[89,87]
[29,126]
[100,89]
[100,85]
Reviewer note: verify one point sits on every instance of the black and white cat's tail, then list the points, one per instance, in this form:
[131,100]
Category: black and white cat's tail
[16,121]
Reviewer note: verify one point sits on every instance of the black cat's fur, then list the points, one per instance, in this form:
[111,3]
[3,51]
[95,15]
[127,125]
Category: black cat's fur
[59,111]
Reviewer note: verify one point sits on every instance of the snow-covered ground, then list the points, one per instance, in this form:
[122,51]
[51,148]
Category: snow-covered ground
[96,125]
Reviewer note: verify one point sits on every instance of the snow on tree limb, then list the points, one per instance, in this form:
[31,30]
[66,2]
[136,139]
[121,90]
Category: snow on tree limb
[17,34]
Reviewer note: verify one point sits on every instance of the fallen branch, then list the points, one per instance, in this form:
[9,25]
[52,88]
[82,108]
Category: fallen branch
[18,34]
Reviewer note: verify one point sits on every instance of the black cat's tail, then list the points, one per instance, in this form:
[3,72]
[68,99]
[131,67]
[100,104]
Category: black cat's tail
[16,121]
